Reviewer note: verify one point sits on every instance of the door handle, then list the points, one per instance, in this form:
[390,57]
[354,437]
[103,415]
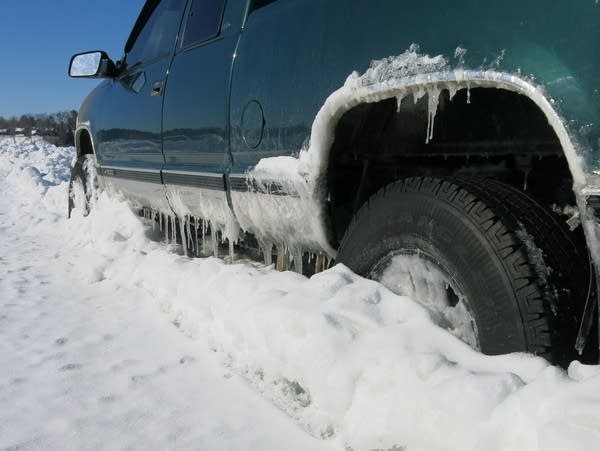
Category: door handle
[157,88]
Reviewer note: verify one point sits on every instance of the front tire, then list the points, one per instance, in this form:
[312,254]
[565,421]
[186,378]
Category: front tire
[83,185]
[479,245]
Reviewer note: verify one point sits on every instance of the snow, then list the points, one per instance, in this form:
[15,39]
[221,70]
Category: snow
[409,63]
[110,339]
[88,363]
[421,278]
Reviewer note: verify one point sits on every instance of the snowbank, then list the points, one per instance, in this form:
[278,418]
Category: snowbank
[345,357]
[95,365]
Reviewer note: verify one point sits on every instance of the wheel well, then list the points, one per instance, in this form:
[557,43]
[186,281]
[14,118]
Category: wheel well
[84,143]
[483,132]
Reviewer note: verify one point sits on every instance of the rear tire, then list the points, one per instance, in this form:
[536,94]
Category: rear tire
[522,274]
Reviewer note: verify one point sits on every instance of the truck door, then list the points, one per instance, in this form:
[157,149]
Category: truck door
[196,108]
[278,80]
[129,143]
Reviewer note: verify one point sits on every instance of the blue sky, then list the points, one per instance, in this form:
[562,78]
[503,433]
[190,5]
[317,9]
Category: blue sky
[37,39]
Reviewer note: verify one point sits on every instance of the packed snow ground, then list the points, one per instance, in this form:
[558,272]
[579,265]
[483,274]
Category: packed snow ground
[112,340]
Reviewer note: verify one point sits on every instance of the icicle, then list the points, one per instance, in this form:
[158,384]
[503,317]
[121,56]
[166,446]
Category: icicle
[266,248]
[188,231]
[418,93]
[196,235]
[231,249]
[167,229]
[399,97]
[160,221]
[184,242]
[166,224]
[433,98]
[174,229]
[153,220]
[468,93]
[215,243]
[298,264]
[322,262]
[452,90]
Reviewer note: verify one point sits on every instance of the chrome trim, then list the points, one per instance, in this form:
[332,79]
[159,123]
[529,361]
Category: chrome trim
[192,173]
[197,180]
[130,169]
[149,176]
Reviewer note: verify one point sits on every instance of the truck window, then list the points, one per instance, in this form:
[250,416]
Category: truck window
[204,21]
[157,37]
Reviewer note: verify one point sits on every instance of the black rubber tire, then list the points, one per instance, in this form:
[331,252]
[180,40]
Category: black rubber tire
[523,273]
[80,174]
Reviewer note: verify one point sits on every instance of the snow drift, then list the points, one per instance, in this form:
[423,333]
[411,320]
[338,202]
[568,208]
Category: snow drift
[345,357]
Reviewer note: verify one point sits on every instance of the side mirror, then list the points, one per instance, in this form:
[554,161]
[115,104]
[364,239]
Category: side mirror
[91,65]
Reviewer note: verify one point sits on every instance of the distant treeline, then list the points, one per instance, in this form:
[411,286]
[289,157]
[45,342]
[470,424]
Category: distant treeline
[60,126]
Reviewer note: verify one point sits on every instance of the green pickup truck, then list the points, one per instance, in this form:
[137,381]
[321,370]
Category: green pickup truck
[449,151]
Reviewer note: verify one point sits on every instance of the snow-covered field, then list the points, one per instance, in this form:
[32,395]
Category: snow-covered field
[110,339]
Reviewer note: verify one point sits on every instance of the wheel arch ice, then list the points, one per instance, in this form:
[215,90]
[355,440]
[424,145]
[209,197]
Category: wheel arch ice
[306,176]
[314,160]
